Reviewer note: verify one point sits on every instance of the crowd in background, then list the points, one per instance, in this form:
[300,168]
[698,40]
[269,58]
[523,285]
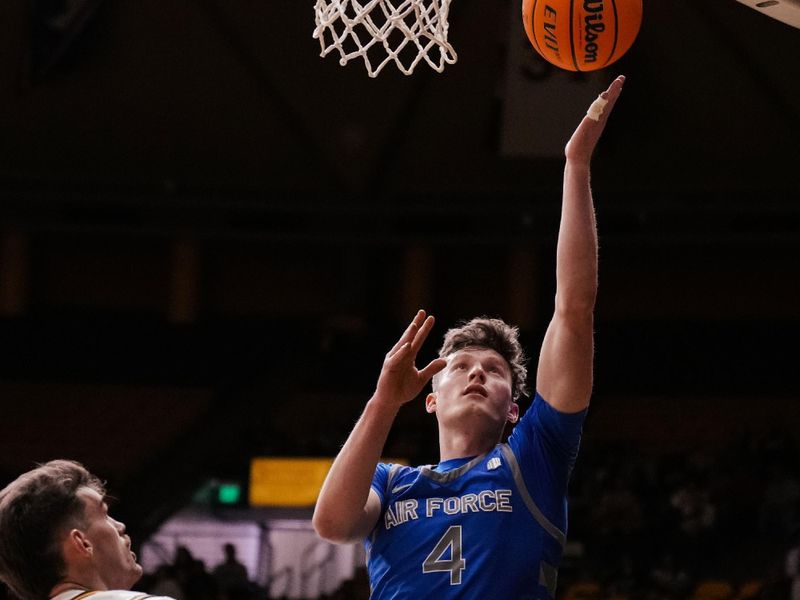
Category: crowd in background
[709,524]
[187,578]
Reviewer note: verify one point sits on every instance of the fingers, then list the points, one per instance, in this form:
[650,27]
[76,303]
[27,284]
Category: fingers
[409,333]
[615,87]
[432,369]
[613,92]
[422,334]
[397,356]
[602,107]
[581,145]
[407,347]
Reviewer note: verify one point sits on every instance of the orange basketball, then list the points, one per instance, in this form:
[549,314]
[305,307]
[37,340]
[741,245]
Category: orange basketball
[582,35]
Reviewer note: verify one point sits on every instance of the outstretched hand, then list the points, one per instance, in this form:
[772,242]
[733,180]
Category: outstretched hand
[582,143]
[400,381]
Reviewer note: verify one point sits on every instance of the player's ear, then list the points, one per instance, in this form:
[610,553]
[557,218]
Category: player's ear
[430,402]
[78,544]
[513,412]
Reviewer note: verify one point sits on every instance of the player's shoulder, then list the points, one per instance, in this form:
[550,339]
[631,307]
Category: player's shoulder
[542,413]
[387,476]
[395,470]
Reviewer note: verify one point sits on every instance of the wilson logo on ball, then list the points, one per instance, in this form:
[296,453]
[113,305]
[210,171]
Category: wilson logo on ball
[582,35]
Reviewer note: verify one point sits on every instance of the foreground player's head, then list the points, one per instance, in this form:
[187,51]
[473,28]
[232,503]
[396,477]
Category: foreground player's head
[54,526]
[489,334]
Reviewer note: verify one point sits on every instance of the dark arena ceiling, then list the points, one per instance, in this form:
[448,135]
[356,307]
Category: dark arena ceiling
[201,98]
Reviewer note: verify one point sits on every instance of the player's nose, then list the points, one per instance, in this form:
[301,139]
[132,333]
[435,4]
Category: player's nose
[477,373]
[120,526]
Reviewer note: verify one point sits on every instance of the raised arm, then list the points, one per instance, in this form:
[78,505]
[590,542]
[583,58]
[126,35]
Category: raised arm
[347,508]
[564,377]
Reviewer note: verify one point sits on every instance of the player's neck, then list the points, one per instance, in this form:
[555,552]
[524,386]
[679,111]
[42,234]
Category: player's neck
[461,444]
[78,582]
[67,586]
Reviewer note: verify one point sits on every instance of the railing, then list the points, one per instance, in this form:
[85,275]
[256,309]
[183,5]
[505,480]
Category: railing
[320,566]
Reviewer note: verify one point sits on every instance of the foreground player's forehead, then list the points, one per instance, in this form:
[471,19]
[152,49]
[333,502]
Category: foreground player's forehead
[92,500]
[486,356]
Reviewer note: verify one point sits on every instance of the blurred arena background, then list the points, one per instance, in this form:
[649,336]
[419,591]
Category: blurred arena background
[210,237]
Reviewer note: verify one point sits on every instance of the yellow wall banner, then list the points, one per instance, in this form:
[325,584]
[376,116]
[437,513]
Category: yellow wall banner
[292,482]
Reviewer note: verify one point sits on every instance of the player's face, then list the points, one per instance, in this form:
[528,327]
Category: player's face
[475,383]
[112,557]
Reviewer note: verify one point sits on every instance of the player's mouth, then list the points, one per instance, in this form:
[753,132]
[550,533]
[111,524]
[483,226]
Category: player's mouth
[475,389]
[128,547]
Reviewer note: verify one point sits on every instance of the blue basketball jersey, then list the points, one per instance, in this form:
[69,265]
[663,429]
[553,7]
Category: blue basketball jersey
[487,527]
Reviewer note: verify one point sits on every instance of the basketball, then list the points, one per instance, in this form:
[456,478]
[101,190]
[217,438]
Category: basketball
[582,35]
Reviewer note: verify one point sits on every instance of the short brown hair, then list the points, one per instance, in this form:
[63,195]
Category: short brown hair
[494,334]
[34,509]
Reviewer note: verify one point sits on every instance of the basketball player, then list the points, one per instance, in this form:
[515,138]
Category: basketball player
[490,520]
[58,541]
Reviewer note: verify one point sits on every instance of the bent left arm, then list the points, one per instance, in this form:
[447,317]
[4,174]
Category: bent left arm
[564,376]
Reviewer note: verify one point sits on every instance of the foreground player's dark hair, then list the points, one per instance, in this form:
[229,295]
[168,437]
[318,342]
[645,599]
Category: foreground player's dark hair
[35,510]
[494,334]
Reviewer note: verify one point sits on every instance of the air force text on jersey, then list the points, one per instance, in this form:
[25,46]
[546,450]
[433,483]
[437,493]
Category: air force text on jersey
[403,511]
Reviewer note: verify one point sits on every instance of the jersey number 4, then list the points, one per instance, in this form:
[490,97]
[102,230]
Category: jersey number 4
[448,545]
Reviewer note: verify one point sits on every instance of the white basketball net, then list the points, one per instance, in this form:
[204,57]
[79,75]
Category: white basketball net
[383,31]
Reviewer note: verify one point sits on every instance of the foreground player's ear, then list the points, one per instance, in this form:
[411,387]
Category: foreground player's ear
[430,402]
[78,544]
